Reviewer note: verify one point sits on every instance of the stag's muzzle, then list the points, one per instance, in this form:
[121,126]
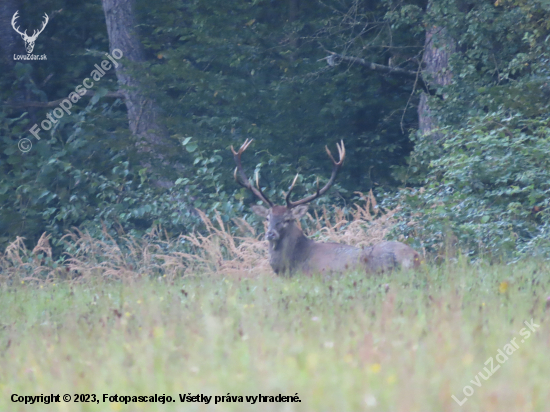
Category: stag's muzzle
[271,235]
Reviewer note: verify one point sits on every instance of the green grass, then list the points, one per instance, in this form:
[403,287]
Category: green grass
[400,342]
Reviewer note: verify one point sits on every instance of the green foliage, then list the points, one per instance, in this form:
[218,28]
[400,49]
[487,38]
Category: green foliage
[489,188]
[485,177]
[219,72]
[502,58]
[230,71]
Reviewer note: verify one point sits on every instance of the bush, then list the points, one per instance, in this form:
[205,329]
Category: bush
[487,188]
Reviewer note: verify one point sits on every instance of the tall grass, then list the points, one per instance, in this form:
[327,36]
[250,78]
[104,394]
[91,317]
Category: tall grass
[215,251]
[400,342]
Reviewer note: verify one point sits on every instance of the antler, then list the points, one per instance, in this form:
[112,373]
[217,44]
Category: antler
[335,168]
[243,179]
[15,16]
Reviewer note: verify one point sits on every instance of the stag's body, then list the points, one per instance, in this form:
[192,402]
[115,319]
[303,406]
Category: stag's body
[290,251]
[388,256]
[307,256]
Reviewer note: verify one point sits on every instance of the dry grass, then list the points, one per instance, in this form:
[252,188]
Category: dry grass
[216,251]
[367,226]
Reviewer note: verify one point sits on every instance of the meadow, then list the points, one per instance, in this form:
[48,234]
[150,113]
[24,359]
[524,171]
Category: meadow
[148,318]
[395,342]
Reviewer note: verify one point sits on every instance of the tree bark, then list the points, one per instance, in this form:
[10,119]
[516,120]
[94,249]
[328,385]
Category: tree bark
[438,48]
[143,113]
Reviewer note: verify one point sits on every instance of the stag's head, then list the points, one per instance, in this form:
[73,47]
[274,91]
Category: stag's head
[29,40]
[280,219]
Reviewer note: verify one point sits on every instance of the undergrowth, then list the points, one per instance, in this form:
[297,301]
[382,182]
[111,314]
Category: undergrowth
[215,251]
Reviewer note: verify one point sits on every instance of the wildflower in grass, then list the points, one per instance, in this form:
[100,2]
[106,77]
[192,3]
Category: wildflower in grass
[503,287]
[391,379]
[375,368]
[312,360]
[467,359]
[370,400]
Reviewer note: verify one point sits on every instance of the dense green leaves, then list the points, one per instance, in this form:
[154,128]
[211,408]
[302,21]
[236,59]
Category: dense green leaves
[221,72]
[490,188]
[485,180]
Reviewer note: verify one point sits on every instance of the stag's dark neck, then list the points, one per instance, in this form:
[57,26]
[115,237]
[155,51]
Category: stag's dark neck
[287,253]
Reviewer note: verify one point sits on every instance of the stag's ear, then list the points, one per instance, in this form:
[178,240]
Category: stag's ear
[260,210]
[299,211]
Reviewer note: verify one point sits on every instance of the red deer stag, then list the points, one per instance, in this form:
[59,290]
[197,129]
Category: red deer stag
[290,251]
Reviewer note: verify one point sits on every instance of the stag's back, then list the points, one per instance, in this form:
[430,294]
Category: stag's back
[388,256]
[331,258]
[313,257]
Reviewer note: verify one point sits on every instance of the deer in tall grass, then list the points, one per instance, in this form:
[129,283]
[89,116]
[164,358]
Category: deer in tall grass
[290,251]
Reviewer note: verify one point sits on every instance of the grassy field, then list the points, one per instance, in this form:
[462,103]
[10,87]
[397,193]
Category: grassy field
[400,342]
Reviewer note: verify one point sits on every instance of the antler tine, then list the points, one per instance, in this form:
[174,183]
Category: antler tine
[341,153]
[237,178]
[260,189]
[287,197]
[335,168]
[243,147]
[243,181]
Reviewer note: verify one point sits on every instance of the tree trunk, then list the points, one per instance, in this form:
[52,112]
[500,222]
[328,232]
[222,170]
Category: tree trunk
[143,113]
[438,48]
